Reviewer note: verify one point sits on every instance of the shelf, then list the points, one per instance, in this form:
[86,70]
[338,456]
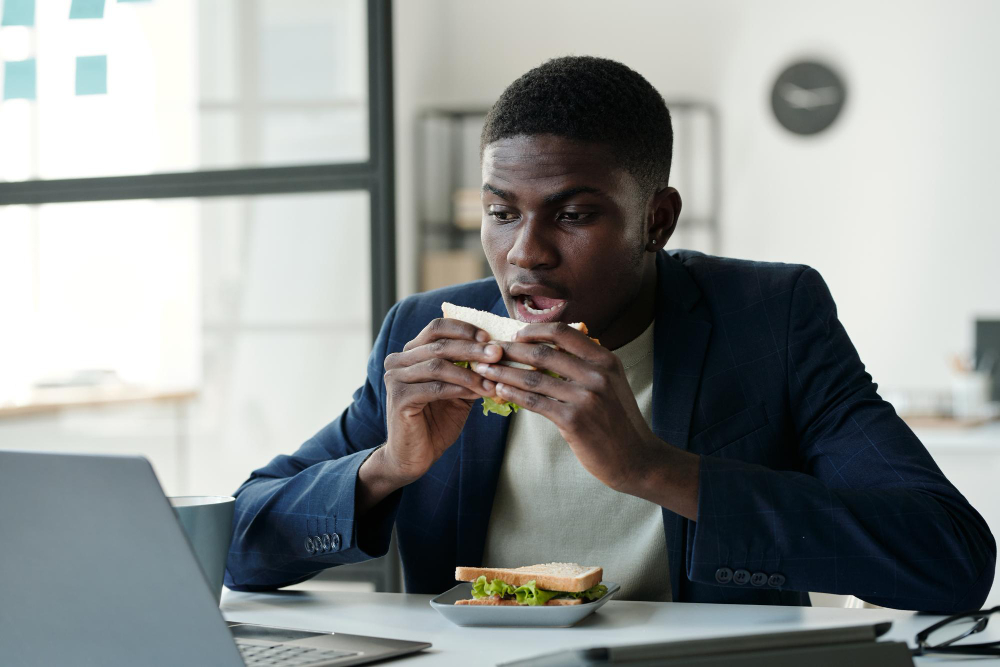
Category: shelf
[47,401]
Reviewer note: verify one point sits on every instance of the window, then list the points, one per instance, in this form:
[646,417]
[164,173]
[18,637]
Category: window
[187,85]
[196,227]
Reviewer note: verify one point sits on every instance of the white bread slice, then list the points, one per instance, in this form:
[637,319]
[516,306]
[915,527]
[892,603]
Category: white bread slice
[499,328]
[565,577]
[494,601]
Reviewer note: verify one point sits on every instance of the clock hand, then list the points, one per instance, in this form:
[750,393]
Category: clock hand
[804,98]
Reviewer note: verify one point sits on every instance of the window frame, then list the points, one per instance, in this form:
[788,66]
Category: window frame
[376,175]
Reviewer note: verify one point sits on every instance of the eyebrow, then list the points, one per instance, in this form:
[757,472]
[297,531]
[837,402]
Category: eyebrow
[557,197]
[553,198]
[503,194]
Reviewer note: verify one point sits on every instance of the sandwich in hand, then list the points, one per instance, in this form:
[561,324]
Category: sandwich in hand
[550,584]
[500,329]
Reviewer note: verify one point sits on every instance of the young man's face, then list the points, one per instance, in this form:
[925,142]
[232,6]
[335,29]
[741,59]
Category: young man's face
[564,230]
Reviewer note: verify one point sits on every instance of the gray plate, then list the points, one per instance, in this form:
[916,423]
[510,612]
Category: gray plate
[521,616]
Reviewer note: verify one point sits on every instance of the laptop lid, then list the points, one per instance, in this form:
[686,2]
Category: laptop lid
[95,569]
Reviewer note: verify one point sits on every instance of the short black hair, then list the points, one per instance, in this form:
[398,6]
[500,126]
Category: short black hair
[591,100]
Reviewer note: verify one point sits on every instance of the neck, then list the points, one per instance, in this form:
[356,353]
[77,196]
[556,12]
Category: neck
[635,316]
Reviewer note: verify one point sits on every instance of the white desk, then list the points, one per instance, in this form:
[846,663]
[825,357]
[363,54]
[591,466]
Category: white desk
[983,439]
[410,617]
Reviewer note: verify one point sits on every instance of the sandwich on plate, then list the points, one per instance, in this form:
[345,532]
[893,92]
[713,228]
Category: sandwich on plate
[550,584]
[501,329]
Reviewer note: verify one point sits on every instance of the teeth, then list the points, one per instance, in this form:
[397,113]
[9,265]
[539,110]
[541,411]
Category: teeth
[535,311]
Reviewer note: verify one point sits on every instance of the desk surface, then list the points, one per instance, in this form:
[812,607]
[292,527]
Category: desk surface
[57,399]
[400,616]
[985,437]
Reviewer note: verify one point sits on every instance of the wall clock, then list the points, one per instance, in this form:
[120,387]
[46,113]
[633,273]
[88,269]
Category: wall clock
[807,97]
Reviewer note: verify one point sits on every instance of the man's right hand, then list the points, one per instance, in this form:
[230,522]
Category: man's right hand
[428,399]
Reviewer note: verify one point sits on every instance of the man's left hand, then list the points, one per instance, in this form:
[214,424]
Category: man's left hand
[595,410]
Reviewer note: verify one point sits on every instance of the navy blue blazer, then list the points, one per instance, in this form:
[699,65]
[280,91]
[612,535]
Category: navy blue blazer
[808,479]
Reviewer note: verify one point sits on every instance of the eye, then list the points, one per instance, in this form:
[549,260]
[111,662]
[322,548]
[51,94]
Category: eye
[573,216]
[502,216]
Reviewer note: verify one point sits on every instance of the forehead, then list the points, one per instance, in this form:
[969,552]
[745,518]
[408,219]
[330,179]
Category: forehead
[550,163]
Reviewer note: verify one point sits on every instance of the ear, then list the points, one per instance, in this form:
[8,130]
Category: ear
[664,210]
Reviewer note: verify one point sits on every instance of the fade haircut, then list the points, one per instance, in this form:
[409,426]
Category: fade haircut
[593,100]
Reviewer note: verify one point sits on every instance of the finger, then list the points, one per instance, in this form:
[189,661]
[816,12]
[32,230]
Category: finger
[541,355]
[533,402]
[445,348]
[528,380]
[441,370]
[564,336]
[422,393]
[447,327]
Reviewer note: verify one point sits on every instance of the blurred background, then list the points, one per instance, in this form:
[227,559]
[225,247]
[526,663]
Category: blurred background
[207,206]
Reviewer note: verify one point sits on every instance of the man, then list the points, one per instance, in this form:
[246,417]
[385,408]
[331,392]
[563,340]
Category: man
[723,443]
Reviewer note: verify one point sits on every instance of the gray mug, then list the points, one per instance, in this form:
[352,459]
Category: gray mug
[208,524]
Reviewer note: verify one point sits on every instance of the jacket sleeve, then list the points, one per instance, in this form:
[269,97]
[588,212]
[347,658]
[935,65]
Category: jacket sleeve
[869,513]
[296,516]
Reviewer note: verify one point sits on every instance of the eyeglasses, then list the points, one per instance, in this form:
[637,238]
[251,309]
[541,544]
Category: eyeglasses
[943,637]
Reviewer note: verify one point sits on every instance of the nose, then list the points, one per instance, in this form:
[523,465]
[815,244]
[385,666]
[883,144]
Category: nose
[532,248]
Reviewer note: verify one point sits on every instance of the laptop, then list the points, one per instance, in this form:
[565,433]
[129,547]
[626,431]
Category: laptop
[96,570]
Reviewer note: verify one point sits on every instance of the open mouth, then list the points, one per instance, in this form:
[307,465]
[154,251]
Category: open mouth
[539,308]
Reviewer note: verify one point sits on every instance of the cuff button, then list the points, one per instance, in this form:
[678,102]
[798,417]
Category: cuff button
[723,575]
[741,577]
[310,547]
[335,541]
[326,541]
[758,579]
[776,581]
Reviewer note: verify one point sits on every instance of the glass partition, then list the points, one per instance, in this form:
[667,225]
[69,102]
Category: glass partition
[151,87]
[209,335]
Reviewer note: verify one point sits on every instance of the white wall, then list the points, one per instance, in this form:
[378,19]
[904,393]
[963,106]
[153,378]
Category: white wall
[893,204]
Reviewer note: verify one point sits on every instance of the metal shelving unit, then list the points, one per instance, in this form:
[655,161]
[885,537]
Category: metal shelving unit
[447,163]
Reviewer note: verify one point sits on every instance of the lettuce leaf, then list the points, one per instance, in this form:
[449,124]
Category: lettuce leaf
[533,596]
[489,405]
[529,594]
[592,593]
[482,589]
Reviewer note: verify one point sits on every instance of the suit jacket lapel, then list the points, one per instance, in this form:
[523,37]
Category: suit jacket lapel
[482,445]
[681,340]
